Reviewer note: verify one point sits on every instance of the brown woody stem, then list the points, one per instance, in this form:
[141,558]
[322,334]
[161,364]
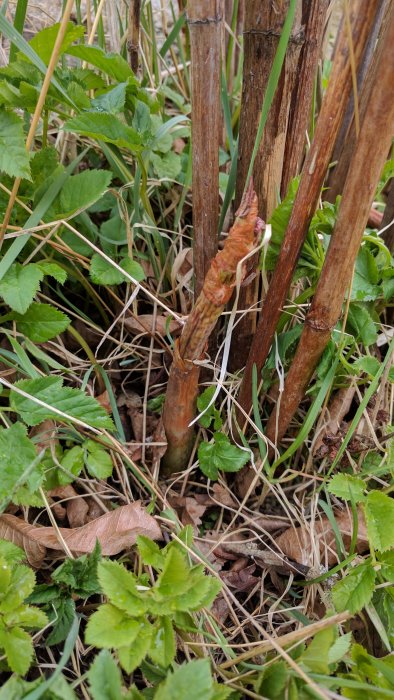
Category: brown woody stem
[364,171]
[180,404]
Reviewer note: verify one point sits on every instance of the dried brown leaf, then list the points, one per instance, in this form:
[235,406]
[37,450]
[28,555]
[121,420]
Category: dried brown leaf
[115,531]
[241,580]
[303,543]
[189,510]
[18,531]
[148,323]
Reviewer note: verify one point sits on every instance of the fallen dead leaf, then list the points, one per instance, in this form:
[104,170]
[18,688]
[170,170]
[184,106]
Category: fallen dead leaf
[104,401]
[189,510]
[300,544]
[75,505]
[336,411]
[18,531]
[241,580]
[115,532]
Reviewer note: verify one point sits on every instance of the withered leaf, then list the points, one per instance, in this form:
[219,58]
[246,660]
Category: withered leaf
[18,531]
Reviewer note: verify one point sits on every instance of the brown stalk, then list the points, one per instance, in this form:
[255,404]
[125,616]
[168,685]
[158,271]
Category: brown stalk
[388,216]
[262,31]
[133,33]
[313,22]
[180,404]
[313,174]
[205,21]
[346,139]
[364,171]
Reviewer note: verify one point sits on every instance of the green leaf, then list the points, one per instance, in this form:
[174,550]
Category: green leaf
[44,41]
[167,166]
[106,127]
[102,272]
[315,656]
[98,460]
[379,513]
[132,656]
[14,159]
[174,579]
[18,648]
[272,681]
[340,648]
[8,550]
[120,586]
[73,462]
[369,365]
[105,678]
[81,191]
[347,487]
[387,563]
[355,590]
[110,628]
[150,552]
[110,63]
[362,323]
[221,455]
[51,391]
[163,648]
[112,101]
[20,586]
[41,322]
[27,616]
[192,681]
[366,275]
[63,621]
[17,453]
[80,574]
[52,269]
[210,413]
[19,286]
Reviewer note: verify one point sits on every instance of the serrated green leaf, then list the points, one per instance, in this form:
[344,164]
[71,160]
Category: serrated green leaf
[41,322]
[109,628]
[120,586]
[315,656]
[104,677]
[52,269]
[72,461]
[369,365]
[81,191]
[362,323]
[174,578]
[19,286]
[20,586]
[366,275]
[107,128]
[192,681]
[110,63]
[50,390]
[272,680]
[131,657]
[167,166]
[98,460]
[80,574]
[44,41]
[18,648]
[63,619]
[355,590]
[102,272]
[112,101]
[9,551]
[387,563]
[347,487]
[379,512]
[150,552]
[17,453]
[201,594]
[340,648]
[14,159]
[221,455]
[26,616]
[162,651]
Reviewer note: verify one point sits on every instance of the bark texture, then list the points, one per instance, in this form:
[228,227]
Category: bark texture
[180,404]
[313,174]
[133,33]
[205,20]
[262,30]
[365,167]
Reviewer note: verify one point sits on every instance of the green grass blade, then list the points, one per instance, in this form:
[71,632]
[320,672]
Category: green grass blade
[172,37]
[19,23]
